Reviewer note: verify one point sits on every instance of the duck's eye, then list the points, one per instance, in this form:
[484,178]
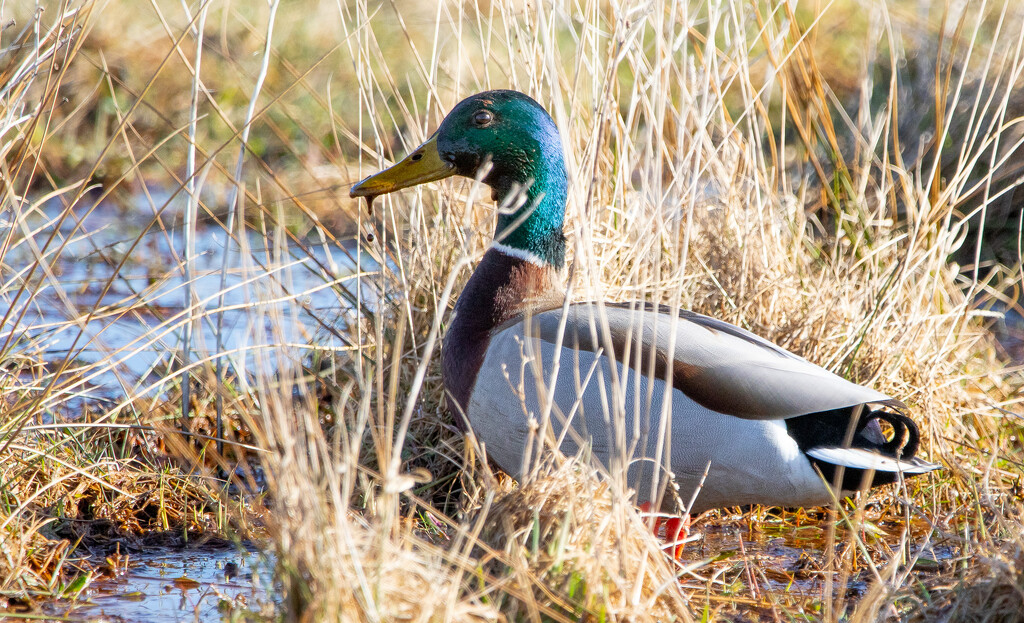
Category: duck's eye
[482,118]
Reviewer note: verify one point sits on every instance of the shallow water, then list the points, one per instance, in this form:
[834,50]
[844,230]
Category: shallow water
[113,304]
[755,558]
[177,586]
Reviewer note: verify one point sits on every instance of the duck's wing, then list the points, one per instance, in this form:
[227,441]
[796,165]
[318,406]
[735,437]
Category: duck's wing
[718,365]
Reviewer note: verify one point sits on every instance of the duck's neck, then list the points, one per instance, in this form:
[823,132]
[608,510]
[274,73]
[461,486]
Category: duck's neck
[502,287]
[521,273]
[532,197]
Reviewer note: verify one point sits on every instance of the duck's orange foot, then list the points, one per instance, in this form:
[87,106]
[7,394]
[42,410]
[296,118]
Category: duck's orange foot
[676,529]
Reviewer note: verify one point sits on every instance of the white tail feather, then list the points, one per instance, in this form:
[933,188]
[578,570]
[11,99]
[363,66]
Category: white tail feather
[858,458]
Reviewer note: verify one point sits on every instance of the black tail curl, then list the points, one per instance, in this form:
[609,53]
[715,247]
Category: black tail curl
[906,438]
[829,429]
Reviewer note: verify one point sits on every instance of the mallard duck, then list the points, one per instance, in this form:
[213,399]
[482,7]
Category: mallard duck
[729,417]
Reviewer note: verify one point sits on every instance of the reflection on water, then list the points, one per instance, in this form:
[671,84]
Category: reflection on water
[110,303]
[179,586]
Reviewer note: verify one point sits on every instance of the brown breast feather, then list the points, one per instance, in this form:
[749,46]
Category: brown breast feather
[501,288]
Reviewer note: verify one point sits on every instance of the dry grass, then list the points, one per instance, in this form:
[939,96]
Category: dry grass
[714,167]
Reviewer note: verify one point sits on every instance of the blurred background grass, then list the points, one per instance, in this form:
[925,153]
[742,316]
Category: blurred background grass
[316,126]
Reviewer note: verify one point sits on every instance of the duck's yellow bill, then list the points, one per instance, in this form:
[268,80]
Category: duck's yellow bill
[423,165]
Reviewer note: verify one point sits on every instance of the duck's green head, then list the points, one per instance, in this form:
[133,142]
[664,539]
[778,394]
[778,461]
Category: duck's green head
[509,139]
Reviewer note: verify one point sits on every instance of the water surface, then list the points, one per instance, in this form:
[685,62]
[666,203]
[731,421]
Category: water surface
[173,586]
